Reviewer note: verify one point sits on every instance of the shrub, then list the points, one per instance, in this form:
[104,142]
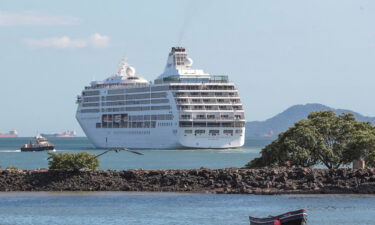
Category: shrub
[10,167]
[73,161]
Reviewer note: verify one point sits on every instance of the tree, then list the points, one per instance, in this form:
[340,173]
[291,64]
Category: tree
[323,138]
[73,161]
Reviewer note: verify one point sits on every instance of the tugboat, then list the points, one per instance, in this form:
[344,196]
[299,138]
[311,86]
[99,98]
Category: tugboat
[39,143]
[297,217]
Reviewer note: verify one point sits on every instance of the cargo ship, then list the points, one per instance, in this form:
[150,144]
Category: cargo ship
[64,134]
[10,134]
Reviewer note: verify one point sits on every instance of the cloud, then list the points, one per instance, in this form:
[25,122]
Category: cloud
[95,41]
[99,41]
[33,18]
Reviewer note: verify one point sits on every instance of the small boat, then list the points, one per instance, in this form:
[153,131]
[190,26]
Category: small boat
[39,143]
[297,217]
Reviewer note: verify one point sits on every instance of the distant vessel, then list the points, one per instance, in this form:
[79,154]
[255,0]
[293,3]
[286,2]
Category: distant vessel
[39,143]
[182,108]
[64,134]
[10,134]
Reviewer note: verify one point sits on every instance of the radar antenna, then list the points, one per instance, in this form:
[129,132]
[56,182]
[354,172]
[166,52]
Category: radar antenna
[123,65]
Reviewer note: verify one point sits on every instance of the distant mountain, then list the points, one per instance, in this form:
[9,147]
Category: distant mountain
[281,122]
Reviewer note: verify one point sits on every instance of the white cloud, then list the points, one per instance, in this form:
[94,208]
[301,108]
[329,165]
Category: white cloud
[96,41]
[99,41]
[33,18]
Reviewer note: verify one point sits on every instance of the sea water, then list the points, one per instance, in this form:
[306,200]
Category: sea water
[152,159]
[108,208]
[94,208]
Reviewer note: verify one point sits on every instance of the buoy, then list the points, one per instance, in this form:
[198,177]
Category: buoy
[277,222]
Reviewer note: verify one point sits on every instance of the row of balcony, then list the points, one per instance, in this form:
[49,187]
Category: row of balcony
[202,87]
[205,94]
[207,101]
[211,124]
[212,117]
[210,107]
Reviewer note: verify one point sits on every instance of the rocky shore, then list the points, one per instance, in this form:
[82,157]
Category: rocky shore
[233,181]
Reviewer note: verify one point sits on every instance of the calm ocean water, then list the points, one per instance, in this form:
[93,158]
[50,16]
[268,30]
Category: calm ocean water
[152,159]
[175,208]
[94,208]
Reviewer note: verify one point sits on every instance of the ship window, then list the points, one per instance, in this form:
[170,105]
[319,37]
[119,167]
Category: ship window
[185,117]
[213,132]
[98,125]
[213,124]
[183,107]
[159,95]
[199,132]
[188,131]
[229,124]
[228,132]
[162,107]
[199,124]
[185,124]
[239,124]
[156,101]
[224,116]
[210,116]
[238,117]
[238,131]
[200,117]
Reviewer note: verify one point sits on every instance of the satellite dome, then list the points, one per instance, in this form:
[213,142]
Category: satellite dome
[130,71]
[188,62]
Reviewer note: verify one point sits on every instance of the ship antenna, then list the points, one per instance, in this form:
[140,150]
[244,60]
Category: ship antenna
[123,64]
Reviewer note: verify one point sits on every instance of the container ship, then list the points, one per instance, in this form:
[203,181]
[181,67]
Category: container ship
[182,108]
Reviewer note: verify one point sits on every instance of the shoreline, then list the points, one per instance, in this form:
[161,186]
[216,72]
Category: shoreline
[216,181]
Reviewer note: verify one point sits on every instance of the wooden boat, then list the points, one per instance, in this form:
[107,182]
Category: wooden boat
[297,217]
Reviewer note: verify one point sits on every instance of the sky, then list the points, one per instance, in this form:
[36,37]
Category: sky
[278,53]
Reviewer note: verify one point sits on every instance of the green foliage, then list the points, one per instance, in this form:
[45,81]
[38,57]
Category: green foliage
[323,138]
[10,167]
[73,161]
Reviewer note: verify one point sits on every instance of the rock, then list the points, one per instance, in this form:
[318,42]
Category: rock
[232,180]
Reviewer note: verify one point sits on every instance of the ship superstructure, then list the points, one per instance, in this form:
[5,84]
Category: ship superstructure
[182,108]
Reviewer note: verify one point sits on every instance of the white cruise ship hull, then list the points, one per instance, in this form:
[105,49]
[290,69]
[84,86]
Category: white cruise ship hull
[157,138]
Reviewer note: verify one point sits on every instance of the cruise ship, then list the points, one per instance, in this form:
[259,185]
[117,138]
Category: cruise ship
[182,108]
